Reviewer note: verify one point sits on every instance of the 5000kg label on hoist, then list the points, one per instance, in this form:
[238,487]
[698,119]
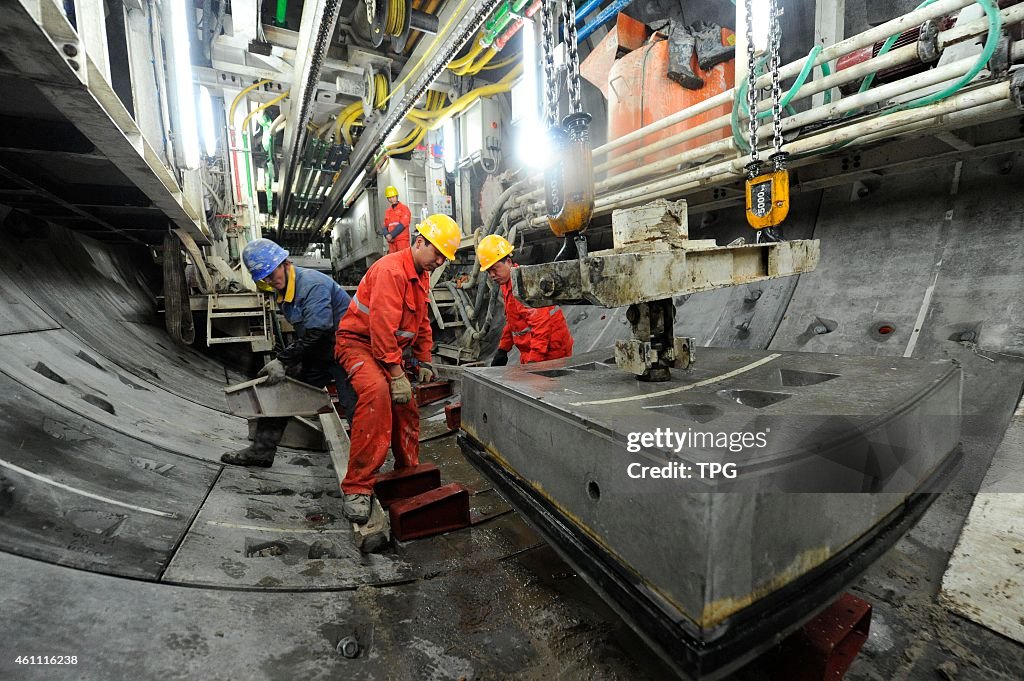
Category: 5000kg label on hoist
[761,198]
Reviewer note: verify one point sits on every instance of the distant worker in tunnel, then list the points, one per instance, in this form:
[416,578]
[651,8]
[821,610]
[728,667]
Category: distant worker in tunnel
[388,316]
[540,333]
[397,221]
[314,304]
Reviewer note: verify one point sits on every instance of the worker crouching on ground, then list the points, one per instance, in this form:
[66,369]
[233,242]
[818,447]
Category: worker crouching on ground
[314,304]
[388,315]
[540,333]
[397,219]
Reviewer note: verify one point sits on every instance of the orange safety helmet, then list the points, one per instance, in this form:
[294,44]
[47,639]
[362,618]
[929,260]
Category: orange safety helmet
[443,232]
[491,249]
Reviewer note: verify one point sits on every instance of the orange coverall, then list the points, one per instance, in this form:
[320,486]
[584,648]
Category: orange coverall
[398,213]
[387,315]
[540,333]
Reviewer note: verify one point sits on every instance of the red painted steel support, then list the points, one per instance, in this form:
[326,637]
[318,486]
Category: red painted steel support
[428,393]
[406,482]
[453,415]
[440,510]
[825,647]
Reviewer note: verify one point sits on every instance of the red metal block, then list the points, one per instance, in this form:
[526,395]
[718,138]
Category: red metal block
[453,415]
[439,510]
[825,647]
[428,393]
[406,482]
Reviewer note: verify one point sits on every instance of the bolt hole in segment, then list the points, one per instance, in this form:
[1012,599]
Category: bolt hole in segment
[593,490]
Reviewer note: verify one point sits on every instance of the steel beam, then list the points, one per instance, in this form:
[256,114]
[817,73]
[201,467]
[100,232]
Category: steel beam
[46,50]
[435,55]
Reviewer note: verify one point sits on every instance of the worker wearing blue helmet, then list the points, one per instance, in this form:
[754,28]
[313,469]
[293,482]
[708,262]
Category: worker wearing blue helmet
[313,304]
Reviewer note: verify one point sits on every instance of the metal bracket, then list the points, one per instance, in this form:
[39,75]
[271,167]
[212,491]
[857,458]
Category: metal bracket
[928,42]
[1017,89]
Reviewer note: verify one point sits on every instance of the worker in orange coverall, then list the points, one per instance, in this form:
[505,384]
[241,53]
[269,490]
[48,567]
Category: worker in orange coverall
[387,315]
[540,333]
[397,219]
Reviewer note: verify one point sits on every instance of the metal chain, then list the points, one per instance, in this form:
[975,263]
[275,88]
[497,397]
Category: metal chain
[573,57]
[751,78]
[547,52]
[774,47]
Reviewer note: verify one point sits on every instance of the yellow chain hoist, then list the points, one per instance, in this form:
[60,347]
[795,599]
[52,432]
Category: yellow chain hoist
[767,190]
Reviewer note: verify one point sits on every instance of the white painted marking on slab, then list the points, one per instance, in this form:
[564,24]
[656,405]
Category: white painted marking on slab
[80,492]
[922,313]
[286,530]
[698,384]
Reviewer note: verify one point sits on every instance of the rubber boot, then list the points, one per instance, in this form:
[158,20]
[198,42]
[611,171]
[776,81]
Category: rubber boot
[269,432]
[681,45]
[357,508]
[710,50]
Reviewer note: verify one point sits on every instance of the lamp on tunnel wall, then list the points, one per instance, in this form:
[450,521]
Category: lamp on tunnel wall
[760,20]
[531,148]
[206,122]
[180,45]
[449,144]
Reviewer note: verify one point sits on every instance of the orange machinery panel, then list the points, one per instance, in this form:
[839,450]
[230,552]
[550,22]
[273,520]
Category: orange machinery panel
[640,92]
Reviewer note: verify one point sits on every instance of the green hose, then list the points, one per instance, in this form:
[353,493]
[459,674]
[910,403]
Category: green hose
[991,42]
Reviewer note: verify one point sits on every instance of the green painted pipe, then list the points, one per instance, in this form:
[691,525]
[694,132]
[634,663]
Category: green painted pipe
[282,9]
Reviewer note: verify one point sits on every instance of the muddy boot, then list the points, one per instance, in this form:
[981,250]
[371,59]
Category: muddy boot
[680,56]
[357,508]
[269,432]
[710,50]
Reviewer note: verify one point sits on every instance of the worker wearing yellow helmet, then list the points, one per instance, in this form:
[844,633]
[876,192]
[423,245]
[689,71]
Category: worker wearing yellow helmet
[540,333]
[388,315]
[397,221]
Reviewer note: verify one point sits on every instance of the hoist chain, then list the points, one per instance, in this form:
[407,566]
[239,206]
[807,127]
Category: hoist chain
[547,52]
[775,61]
[751,90]
[572,56]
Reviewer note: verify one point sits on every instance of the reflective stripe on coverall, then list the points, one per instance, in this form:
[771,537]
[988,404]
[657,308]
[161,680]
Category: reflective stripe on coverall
[387,315]
[540,333]
[398,213]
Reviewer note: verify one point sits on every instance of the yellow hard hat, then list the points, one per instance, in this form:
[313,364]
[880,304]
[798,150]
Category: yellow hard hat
[492,248]
[443,232]
[390,192]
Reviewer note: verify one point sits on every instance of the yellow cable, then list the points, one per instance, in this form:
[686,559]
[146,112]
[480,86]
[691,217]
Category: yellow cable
[261,107]
[470,56]
[396,17]
[238,99]
[472,69]
[342,115]
[435,118]
[502,64]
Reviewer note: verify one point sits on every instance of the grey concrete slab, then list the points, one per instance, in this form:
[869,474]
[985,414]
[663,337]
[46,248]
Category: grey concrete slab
[565,427]
[262,529]
[98,295]
[875,269]
[80,494]
[59,366]
[525,618]
[18,313]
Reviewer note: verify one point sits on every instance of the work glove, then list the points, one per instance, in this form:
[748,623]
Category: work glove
[500,358]
[274,371]
[426,373]
[401,389]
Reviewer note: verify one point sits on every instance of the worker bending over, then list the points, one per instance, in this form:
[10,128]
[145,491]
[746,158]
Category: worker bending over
[314,304]
[540,333]
[397,219]
[388,315]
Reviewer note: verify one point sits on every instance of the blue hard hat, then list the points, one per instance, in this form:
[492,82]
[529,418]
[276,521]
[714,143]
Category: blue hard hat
[262,256]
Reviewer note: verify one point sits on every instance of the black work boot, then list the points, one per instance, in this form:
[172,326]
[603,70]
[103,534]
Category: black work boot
[710,50]
[680,56]
[269,432]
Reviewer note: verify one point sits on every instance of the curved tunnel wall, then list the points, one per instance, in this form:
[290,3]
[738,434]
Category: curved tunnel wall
[112,432]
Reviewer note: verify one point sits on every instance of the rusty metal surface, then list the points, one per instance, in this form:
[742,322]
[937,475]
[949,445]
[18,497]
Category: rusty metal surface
[621,279]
